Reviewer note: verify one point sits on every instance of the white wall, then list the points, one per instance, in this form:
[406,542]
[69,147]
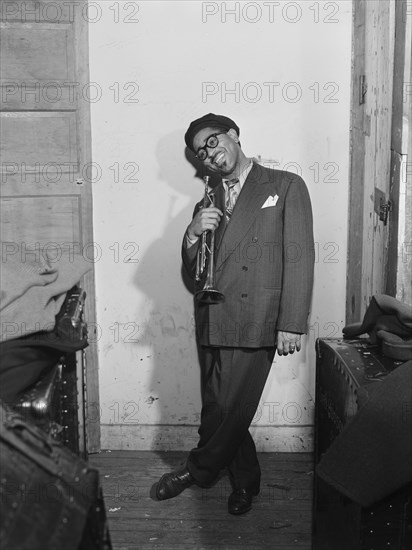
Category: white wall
[288,67]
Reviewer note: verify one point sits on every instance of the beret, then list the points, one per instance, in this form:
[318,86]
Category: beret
[208,121]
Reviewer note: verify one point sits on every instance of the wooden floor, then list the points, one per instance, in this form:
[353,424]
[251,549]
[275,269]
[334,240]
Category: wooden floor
[198,518]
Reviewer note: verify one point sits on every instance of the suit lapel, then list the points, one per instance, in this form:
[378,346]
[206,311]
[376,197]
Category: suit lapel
[251,199]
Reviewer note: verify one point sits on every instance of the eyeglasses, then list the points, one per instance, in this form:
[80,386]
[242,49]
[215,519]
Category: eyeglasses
[211,143]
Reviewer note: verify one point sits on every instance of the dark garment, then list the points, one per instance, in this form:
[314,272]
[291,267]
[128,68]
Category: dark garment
[227,412]
[264,262]
[23,360]
[21,365]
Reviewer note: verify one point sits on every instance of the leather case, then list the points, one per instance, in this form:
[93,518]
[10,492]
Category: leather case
[49,497]
[346,372]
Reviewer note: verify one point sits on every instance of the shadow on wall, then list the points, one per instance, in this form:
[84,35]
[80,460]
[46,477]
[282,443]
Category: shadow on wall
[168,331]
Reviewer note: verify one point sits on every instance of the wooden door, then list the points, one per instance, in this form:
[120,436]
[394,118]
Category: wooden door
[370,190]
[46,167]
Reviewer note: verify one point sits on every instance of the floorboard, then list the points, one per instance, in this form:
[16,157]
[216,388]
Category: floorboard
[198,518]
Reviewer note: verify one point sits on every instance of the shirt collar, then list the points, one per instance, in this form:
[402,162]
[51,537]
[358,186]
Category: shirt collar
[242,176]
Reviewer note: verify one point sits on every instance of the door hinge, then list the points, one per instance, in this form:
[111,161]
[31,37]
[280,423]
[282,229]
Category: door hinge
[363,88]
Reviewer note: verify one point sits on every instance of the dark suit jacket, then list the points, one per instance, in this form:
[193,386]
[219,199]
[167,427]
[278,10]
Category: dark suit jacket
[264,263]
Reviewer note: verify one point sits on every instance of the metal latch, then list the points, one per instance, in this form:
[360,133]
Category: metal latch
[382,207]
[384,212]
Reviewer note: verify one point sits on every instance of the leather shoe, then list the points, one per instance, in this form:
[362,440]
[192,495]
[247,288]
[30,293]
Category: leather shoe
[240,502]
[171,485]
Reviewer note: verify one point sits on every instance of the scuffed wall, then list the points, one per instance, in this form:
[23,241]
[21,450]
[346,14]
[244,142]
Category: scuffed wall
[282,71]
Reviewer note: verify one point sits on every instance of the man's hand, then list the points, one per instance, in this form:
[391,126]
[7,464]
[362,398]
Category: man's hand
[287,342]
[206,219]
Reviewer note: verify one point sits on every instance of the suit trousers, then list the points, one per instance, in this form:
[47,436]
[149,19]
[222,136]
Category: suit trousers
[233,380]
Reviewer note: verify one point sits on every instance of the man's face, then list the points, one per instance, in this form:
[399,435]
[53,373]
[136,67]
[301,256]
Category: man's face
[224,158]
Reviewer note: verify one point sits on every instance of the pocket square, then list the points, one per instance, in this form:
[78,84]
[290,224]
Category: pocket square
[270,201]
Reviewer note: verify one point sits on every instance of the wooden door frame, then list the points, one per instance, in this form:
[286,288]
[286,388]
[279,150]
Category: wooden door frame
[396,145]
[91,397]
[357,165]
[355,299]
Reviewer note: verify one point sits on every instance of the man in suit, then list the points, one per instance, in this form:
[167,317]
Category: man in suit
[264,257]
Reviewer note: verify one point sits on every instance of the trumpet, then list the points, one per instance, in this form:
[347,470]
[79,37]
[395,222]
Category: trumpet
[206,255]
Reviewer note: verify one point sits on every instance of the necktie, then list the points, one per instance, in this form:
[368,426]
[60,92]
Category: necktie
[231,197]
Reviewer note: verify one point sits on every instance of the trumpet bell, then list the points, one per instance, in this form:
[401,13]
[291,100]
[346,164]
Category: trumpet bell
[209,296]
